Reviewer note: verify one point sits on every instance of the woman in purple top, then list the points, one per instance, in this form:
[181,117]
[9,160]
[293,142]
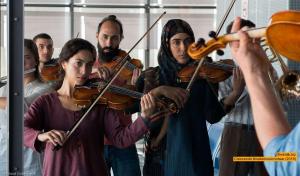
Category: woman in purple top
[51,115]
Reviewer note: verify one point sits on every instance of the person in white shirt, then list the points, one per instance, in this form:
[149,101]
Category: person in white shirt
[33,87]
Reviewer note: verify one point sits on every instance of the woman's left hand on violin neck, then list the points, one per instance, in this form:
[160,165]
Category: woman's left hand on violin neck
[135,75]
[104,73]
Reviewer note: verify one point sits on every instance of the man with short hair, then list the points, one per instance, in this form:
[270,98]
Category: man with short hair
[44,44]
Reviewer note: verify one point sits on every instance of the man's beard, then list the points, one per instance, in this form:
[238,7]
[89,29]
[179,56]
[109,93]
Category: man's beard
[107,56]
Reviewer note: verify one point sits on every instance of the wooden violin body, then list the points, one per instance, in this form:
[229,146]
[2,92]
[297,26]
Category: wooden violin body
[283,34]
[51,71]
[127,72]
[212,71]
[116,97]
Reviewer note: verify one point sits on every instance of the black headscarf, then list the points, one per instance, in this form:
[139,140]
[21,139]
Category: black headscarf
[167,63]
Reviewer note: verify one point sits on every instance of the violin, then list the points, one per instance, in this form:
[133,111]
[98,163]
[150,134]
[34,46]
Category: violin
[127,72]
[282,35]
[51,71]
[212,71]
[118,98]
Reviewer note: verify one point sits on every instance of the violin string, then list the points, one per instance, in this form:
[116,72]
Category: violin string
[223,66]
[219,65]
[131,66]
[125,91]
[131,93]
[122,90]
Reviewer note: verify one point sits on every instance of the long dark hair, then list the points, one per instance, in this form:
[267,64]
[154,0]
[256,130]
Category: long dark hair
[31,46]
[167,63]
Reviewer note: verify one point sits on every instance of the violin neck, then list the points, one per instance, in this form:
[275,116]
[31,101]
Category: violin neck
[25,72]
[225,67]
[124,91]
[253,33]
[130,66]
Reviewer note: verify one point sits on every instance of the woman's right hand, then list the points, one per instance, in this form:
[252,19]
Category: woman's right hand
[178,95]
[53,136]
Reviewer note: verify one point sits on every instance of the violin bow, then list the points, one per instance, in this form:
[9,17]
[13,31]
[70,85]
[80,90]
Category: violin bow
[225,17]
[102,91]
[215,34]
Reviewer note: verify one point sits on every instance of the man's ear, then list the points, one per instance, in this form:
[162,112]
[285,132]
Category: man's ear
[97,34]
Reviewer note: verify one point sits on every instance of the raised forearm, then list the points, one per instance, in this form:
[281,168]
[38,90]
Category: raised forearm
[268,113]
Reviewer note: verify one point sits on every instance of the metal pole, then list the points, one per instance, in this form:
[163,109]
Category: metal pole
[15,85]
[72,18]
[147,50]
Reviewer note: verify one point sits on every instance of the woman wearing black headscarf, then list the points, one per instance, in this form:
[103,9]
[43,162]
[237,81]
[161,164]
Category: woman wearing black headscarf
[187,144]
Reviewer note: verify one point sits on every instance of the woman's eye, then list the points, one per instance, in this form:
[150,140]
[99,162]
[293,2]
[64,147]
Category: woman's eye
[176,43]
[188,41]
[90,64]
[79,64]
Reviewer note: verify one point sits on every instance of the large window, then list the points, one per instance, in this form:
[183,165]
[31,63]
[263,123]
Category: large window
[28,2]
[3,121]
[55,21]
[3,40]
[63,21]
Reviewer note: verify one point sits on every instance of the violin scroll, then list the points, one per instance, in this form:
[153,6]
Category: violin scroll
[198,50]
